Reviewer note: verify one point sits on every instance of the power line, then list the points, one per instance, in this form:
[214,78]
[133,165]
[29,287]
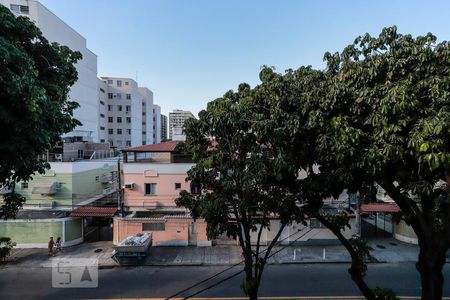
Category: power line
[229,268]
[237,273]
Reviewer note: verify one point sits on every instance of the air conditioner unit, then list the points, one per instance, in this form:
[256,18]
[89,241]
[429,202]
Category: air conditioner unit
[58,157]
[130,186]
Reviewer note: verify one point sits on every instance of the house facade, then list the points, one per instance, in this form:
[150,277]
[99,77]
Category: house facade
[51,198]
[154,175]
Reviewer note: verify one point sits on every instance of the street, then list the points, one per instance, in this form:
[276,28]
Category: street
[278,280]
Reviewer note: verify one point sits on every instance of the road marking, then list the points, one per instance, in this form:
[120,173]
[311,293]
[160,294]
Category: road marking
[274,298]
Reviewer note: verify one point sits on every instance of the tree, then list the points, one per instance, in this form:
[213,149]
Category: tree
[6,246]
[35,78]
[383,117]
[243,176]
[289,101]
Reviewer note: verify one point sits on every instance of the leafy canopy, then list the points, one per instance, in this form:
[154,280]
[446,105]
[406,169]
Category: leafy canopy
[35,79]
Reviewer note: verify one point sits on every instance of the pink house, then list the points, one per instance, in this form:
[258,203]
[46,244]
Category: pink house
[154,175]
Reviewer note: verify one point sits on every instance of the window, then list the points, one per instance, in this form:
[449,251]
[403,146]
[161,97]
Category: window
[102,115]
[143,123]
[102,102]
[110,81]
[128,143]
[119,130]
[119,119]
[102,128]
[143,113]
[110,95]
[150,189]
[153,226]
[128,131]
[110,119]
[177,185]
[127,83]
[110,131]
[24,185]
[128,96]
[97,178]
[119,143]
[119,82]
[80,153]
[102,140]
[128,120]
[119,96]
[143,143]
[144,132]
[119,107]
[20,8]
[128,108]
[110,107]
[143,103]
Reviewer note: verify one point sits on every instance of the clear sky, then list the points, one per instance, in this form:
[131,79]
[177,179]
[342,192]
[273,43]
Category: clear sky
[191,52]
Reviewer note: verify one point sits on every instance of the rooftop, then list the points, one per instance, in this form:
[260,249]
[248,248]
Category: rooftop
[161,147]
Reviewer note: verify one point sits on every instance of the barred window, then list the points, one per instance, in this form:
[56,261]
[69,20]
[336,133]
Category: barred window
[153,226]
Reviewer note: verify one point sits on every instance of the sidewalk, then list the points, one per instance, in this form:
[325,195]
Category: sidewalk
[384,251]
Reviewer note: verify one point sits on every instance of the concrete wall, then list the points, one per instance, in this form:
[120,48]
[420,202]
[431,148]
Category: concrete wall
[176,231]
[164,175]
[36,233]
[79,182]
[297,233]
[403,232]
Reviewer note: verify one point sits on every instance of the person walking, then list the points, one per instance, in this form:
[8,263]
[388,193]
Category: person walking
[58,245]
[51,243]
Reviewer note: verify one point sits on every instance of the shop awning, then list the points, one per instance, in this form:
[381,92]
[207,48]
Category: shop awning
[44,188]
[91,211]
[380,207]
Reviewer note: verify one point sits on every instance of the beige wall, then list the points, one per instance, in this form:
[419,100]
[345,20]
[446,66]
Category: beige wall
[176,231]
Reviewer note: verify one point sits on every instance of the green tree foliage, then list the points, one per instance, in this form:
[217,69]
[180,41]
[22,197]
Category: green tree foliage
[244,177]
[6,246]
[35,78]
[383,117]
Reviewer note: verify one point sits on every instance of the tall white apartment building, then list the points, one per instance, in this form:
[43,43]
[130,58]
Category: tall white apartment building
[126,104]
[176,121]
[163,128]
[156,124]
[84,91]
[147,116]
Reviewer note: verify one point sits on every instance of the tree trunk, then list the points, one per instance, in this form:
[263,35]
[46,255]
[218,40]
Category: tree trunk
[355,268]
[430,264]
[251,287]
[358,279]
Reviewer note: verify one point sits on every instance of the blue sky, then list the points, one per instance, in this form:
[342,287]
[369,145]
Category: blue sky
[191,52]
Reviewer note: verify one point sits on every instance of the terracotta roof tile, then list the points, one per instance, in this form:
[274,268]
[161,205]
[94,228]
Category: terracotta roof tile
[161,147]
[92,211]
[380,207]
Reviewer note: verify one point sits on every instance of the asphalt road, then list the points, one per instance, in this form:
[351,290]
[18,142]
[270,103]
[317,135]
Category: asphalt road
[147,282]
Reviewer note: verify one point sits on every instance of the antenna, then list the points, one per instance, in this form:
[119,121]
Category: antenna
[136,76]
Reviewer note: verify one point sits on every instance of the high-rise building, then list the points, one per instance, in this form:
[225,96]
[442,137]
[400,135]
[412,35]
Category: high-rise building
[147,116]
[126,104]
[163,128]
[156,124]
[84,91]
[176,121]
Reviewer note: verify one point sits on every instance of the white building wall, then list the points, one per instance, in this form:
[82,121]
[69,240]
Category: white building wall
[84,91]
[147,101]
[103,112]
[156,124]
